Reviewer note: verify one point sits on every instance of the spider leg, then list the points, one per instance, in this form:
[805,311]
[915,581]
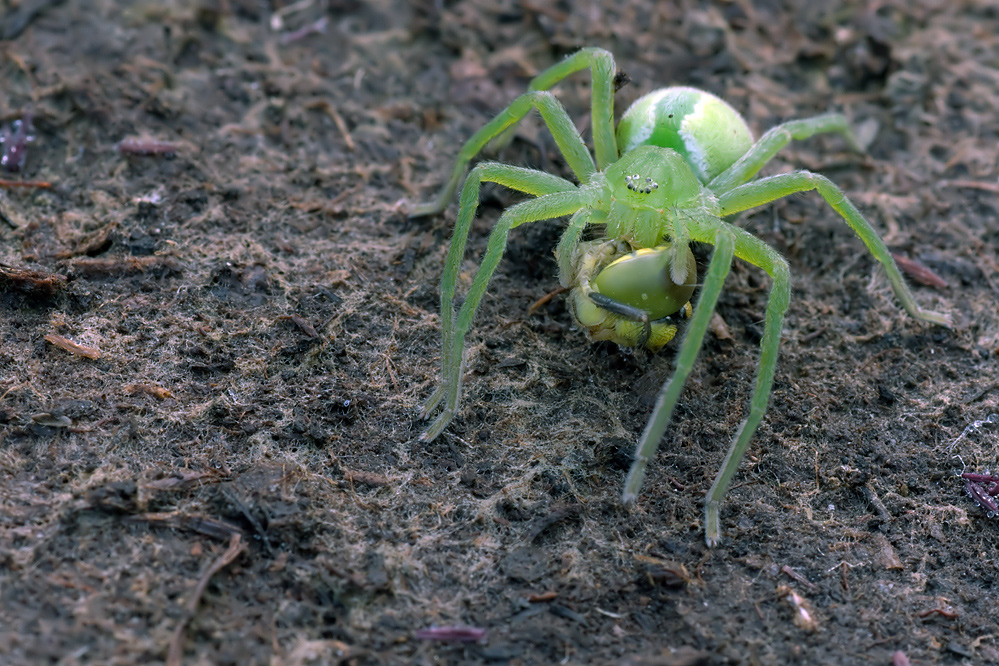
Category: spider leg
[529,181]
[765,190]
[776,138]
[603,71]
[752,249]
[557,197]
[566,136]
[565,251]
[721,261]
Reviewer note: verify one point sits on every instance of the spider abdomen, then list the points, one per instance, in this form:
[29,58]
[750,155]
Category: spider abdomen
[703,128]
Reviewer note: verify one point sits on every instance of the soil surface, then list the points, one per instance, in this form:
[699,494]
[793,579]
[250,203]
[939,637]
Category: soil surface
[218,325]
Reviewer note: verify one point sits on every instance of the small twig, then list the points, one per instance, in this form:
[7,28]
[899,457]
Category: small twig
[544,299]
[918,272]
[315,28]
[452,634]
[876,503]
[73,347]
[973,184]
[303,324]
[367,478]
[176,649]
[798,577]
[41,184]
[330,111]
[147,148]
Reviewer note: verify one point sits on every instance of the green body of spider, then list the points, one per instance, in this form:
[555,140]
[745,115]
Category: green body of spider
[680,162]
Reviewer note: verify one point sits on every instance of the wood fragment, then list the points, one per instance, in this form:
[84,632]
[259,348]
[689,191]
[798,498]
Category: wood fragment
[918,272]
[157,392]
[304,324]
[315,28]
[73,347]
[973,184]
[367,478]
[93,243]
[175,652]
[38,184]
[181,480]
[32,283]
[663,573]
[118,266]
[719,328]
[147,148]
[797,576]
[192,522]
[452,634]
[876,503]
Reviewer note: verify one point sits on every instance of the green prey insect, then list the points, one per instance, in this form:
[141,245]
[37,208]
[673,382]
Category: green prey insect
[680,162]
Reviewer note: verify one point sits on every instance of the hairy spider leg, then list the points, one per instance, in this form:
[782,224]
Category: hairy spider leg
[766,190]
[753,250]
[714,279]
[729,241]
[557,198]
[566,136]
[566,249]
[602,73]
[529,181]
[774,140]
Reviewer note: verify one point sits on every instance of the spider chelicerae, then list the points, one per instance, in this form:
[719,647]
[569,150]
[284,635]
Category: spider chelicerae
[681,162]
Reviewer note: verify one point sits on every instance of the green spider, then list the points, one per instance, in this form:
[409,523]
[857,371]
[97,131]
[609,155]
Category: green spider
[681,162]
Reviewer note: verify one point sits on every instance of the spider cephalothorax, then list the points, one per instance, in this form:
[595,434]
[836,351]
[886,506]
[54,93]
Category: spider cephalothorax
[680,162]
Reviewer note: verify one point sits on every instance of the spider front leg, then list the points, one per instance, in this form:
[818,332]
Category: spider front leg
[603,71]
[751,249]
[766,190]
[601,64]
[728,240]
[529,181]
[557,197]
[567,138]
[774,140]
[721,261]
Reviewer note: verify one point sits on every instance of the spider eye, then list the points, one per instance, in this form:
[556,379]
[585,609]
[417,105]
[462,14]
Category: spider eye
[636,183]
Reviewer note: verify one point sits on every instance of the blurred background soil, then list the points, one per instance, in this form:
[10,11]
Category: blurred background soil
[217,326]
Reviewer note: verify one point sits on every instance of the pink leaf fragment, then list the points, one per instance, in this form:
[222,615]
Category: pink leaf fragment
[452,634]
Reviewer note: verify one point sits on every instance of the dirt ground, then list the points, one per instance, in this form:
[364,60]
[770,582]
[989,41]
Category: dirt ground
[210,384]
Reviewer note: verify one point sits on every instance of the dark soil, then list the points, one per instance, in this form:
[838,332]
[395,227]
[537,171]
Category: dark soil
[213,356]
